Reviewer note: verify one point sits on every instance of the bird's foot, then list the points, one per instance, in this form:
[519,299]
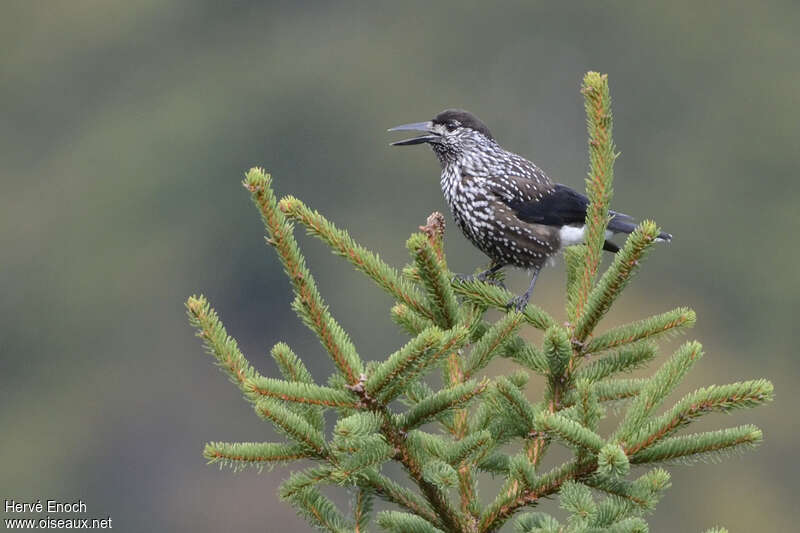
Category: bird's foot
[519,303]
[462,278]
[491,281]
[483,277]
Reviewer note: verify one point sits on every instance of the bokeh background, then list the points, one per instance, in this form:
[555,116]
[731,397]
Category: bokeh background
[126,130]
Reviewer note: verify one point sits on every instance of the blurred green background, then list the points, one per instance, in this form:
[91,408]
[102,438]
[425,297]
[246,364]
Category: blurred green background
[126,130]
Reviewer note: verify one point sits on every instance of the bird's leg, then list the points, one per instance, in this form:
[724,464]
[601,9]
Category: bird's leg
[483,276]
[520,302]
[486,275]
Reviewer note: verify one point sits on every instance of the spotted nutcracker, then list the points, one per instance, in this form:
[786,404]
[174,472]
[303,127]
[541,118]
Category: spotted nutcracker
[504,204]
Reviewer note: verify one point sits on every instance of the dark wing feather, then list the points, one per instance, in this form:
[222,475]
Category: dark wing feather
[562,206]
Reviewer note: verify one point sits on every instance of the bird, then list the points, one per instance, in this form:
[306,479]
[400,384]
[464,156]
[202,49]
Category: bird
[504,204]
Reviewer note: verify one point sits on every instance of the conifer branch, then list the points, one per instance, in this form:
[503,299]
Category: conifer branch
[708,446]
[527,355]
[558,351]
[576,498]
[625,360]
[427,445]
[450,519]
[301,492]
[518,495]
[658,387]
[308,302]
[470,448]
[519,405]
[495,463]
[440,474]
[434,231]
[626,525]
[474,424]
[358,425]
[612,461]
[291,424]
[394,493]
[602,154]
[370,452]
[238,455]
[522,470]
[292,369]
[642,493]
[569,431]
[491,296]
[365,261]
[618,389]
[473,318]
[491,342]
[299,392]
[289,365]
[416,392]
[470,505]
[625,263]
[219,344]
[390,378]
[432,406]
[722,399]
[411,273]
[409,320]
[397,522]
[587,406]
[536,523]
[362,507]
[319,510]
[574,259]
[303,479]
[441,298]
[669,322]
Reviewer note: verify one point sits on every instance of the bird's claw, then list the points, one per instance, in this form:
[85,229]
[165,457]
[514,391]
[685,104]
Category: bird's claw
[519,303]
[464,278]
[492,281]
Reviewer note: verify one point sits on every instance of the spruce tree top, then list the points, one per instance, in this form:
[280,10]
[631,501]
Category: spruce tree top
[451,438]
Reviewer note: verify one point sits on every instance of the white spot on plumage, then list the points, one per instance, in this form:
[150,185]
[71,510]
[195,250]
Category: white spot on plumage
[574,235]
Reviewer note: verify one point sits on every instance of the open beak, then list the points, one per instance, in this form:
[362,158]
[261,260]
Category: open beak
[416,126]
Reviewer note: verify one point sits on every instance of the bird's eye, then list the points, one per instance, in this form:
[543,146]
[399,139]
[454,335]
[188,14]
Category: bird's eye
[452,124]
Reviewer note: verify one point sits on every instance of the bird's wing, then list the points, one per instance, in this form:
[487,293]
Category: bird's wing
[513,179]
[561,206]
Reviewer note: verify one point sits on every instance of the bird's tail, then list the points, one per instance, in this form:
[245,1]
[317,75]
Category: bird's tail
[620,223]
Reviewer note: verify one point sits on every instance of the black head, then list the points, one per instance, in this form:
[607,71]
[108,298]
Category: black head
[449,127]
[456,118]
